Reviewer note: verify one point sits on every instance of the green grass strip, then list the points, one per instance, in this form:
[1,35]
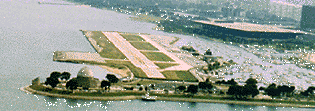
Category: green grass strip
[179,75]
[157,56]
[109,49]
[132,37]
[143,46]
[135,70]
[165,65]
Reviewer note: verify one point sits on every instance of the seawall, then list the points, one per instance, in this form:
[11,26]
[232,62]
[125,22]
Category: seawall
[121,98]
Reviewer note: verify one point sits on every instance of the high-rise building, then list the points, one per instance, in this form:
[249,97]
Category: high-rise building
[257,5]
[308,17]
[301,2]
[284,9]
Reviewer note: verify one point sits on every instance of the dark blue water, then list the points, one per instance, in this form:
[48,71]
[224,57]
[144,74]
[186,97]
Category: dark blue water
[31,32]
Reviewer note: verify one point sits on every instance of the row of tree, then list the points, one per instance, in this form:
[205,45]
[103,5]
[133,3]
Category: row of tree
[242,92]
[72,84]
[274,91]
[309,91]
[53,80]
[229,82]
[193,89]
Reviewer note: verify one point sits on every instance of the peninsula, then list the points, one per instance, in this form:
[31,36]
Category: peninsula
[144,63]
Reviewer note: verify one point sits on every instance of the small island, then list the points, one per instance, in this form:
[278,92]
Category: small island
[143,64]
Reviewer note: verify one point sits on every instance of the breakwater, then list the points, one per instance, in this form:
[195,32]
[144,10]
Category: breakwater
[78,57]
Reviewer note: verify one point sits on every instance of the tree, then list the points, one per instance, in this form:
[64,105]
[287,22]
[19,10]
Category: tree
[218,82]
[112,78]
[291,89]
[140,88]
[65,75]
[72,84]
[231,82]
[146,88]
[181,88]
[55,74]
[310,89]
[272,90]
[193,89]
[251,87]
[205,85]
[202,85]
[105,84]
[152,86]
[284,90]
[236,91]
[209,86]
[262,88]
[52,82]
[251,81]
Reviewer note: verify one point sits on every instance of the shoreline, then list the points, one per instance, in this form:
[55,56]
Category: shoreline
[28,90]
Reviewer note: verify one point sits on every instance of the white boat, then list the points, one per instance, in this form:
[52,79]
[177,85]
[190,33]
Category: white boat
[147,97]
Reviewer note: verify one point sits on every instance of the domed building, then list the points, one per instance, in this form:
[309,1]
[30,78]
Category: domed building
[85,72]
[85,79]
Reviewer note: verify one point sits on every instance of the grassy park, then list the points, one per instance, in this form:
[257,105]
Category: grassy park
[135,70]
[165,65]
[109,49]
[132,37]
[143,46]
[179,75]
[157,56]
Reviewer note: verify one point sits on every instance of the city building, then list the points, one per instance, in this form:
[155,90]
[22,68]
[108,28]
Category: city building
[248,30]
[285,9]
[301,2]
[85,79]
[257,5]
[308,17]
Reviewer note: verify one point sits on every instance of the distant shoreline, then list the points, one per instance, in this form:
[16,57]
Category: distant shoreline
[27,89]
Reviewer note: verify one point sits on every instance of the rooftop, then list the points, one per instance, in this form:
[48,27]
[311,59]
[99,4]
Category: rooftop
[249,27]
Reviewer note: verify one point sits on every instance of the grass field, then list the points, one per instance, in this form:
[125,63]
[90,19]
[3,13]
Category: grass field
[135,70]
[132,37]
[157,56]
[143,46]
[179,75]
[109,49]
[165,65]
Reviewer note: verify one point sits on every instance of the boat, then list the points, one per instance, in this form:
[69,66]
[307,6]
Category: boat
[147,97]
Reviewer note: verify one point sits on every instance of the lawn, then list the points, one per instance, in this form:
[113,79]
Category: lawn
[165,65]
[109,49]
[179,75]
[143,46]
[135,70]
[132,37]
[157,56]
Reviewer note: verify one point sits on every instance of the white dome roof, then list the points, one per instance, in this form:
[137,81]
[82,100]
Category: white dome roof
[85,72]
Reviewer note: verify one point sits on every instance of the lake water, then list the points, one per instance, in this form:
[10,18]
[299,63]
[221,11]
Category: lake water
[31,32]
